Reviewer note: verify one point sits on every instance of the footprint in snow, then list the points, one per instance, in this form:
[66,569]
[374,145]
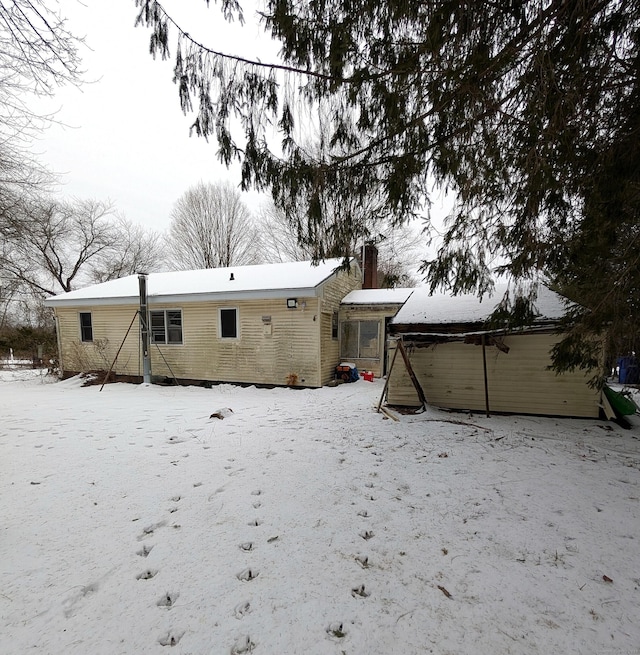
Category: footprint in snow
[242,609]
[242,645]
[150,529]
[147,575]
[247,575]
[363,561]
[359,592]
[144,551]
[168,600]
[171,638]
[336,630]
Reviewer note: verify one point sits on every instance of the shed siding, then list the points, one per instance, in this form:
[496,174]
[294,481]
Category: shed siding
[451,375]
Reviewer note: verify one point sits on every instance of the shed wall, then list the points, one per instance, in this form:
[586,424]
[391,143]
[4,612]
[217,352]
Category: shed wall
[451,375]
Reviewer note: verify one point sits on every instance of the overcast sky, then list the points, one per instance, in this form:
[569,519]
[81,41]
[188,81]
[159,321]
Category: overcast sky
[122,135]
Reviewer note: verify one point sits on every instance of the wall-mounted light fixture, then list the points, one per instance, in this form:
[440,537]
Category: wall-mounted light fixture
[292,303]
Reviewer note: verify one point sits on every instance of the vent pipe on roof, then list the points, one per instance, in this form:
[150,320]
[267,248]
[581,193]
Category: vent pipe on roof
[231,278]
[143,312]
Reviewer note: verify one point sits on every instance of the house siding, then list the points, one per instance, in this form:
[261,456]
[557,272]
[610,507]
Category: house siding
[333,292]
[109,330]
[377,313]
[451,375]
[292,347]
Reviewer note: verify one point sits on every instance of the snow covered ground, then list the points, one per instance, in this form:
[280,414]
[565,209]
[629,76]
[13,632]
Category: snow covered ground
[306,523]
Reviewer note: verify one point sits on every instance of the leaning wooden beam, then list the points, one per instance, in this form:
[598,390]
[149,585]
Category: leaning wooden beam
[113,363]
[412,375]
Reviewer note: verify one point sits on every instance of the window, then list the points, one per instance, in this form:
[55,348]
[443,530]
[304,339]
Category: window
[359,339]
[166,326]
[334,325]
[229,323]
[86,326]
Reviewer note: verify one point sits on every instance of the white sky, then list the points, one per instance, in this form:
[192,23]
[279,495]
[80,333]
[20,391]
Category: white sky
[123,136]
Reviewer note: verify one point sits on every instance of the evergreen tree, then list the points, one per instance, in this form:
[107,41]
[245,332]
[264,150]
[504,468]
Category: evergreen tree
[526,110]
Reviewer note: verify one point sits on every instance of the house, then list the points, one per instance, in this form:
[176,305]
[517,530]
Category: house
[364,316]
[273,324]
[460,363]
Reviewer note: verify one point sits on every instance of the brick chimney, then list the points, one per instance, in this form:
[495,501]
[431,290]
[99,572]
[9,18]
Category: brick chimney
[370,266]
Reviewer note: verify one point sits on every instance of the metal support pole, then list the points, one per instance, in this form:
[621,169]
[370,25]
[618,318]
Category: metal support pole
[144,329]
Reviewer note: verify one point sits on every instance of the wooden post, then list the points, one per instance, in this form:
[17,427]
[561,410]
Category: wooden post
[484,365]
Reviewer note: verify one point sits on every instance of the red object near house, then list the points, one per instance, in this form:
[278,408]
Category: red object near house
[368,376]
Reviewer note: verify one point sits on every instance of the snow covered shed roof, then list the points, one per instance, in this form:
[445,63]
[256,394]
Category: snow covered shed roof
[377,297]
[232,283]
[440,309]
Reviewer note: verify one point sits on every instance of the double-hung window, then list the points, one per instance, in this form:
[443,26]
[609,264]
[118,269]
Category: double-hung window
[166,326]
[86,327]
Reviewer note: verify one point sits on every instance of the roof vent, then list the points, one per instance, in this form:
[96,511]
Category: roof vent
[231,278]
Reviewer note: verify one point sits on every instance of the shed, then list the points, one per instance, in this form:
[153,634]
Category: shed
[364,317]
[450,347]
[273,324]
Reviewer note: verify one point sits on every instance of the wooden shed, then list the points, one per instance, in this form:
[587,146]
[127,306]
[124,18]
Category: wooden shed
[364,316]
[461,364]
[273,324]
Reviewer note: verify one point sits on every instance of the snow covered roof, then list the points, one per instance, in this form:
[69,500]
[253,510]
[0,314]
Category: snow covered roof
[441,308]
[377,297]
[232,283]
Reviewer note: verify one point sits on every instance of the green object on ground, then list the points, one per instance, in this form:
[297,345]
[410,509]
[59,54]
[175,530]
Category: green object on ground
[621,403]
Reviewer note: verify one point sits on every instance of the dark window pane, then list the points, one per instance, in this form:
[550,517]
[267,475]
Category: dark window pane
[174,326]
[157,327]
[228,323]
[86,327]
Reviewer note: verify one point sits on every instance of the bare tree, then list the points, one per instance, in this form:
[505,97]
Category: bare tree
[398,249]
[137,250]
[51,247]
[211,228]
[37,54]
[279,239]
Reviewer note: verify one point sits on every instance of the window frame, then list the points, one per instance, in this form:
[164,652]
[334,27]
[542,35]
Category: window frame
[335,326]
[358,338]
[236,325]
[167,327]
[84,327]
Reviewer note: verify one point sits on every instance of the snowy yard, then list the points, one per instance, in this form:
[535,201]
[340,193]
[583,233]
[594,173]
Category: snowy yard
[304,523]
